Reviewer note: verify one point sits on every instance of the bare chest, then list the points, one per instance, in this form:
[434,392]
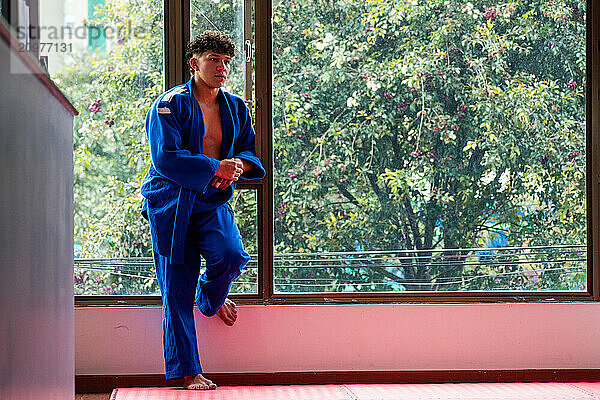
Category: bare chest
[213,132]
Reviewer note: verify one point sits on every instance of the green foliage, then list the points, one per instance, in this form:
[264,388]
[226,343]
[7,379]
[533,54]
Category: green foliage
[418,125]
[397,125]
[112,92]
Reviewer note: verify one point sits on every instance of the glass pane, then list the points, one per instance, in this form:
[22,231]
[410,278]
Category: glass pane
[107,57]
[244,205]
[228,17]
[429,145]
[136,275]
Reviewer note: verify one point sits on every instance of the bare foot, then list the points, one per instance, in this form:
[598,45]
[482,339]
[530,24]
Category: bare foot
[228,312]
[198,382]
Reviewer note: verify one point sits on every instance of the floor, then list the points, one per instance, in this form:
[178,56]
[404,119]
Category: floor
[446,391]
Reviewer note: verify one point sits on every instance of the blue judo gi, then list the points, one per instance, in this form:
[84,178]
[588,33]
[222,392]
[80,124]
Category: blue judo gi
[188,217]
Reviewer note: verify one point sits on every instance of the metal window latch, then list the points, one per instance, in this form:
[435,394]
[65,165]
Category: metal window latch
[249,54]
[44,64]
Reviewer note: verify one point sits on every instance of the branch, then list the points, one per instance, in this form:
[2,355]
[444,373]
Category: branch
[348,195]
[412,220]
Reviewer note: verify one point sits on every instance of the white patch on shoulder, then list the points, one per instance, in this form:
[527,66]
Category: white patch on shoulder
[176,90]
[163,110]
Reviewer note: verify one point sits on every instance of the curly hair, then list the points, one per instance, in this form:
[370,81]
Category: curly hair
[216,41]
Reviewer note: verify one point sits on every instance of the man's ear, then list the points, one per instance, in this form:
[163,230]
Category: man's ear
[194,64]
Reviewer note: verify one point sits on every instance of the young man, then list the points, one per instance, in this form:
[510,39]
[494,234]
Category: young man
[201,141]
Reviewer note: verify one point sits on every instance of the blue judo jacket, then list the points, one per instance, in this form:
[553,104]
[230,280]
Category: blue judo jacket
[179,174]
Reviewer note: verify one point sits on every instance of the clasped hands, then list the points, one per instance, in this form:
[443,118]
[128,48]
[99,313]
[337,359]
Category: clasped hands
[229,171]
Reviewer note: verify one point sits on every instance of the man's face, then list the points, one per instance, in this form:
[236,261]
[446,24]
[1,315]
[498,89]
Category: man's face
[211,68]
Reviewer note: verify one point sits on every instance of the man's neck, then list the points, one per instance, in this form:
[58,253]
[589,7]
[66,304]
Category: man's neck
[203,93]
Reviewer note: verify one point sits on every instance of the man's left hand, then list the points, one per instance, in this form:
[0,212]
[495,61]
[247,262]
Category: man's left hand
[221,183]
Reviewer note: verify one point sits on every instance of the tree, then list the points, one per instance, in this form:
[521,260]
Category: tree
[398,125]
[420,125]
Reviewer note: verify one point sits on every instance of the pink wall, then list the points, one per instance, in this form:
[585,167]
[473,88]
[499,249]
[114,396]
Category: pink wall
[350,337]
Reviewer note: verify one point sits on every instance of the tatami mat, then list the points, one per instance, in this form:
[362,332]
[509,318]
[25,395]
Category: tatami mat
[446,391]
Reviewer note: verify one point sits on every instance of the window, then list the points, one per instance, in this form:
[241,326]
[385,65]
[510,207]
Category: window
[227,17]
[112,79]
[429,146]
[420,151]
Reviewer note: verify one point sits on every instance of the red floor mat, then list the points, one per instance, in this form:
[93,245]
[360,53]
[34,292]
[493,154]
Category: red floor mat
[446,391]
[330,392]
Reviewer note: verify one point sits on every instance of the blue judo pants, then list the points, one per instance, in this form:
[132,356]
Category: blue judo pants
[213,235]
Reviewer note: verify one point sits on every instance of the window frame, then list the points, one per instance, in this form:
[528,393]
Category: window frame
[177,32]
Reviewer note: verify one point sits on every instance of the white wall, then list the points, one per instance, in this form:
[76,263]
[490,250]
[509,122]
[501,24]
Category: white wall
[122,341]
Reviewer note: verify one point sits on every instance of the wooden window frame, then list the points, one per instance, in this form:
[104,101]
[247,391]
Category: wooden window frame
[177,33]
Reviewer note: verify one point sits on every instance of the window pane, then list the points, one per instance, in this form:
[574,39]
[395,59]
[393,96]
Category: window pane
[107,57]
[429,145]
[227,17]
[136,275]
[244,206]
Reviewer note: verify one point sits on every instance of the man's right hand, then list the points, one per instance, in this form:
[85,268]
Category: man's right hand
[230,169]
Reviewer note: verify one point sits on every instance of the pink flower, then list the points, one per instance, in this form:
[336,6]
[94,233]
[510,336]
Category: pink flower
[282,208]
[95,106]
[291,175]
[455,127]
[572,84]
[490,13]
[387,95]
[415,154]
